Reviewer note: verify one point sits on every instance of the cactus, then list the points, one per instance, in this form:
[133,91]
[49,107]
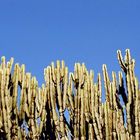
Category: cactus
[41,111]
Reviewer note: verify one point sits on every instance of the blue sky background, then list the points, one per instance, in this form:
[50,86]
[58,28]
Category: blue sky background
[36,33]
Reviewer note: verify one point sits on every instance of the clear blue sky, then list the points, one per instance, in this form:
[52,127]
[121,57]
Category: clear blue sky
[38,32]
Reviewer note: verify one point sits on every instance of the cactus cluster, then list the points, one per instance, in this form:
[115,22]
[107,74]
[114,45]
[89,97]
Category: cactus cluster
[28,111]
